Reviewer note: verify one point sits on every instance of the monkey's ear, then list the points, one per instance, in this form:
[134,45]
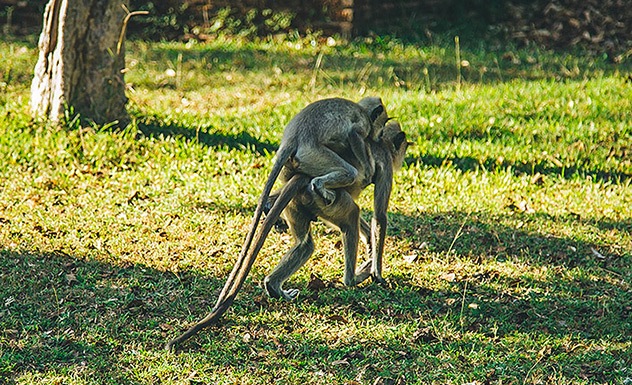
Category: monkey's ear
[377,111]
[399,139]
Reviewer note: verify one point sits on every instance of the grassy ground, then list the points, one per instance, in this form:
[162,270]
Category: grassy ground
[509,246]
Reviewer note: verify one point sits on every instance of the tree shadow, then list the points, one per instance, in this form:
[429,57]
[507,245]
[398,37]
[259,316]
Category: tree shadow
[423,71]
[154,128]
[578,292]
[540,166]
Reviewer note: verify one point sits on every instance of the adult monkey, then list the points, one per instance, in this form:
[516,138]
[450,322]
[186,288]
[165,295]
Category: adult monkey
[302,205]
[344,214]
[312,142]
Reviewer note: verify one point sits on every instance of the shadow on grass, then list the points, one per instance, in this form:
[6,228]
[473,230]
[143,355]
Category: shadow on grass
[567,301]
[543,167]
[62,311]
[432,66]
[150,127]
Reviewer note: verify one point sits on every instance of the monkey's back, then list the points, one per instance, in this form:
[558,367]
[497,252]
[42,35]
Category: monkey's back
[327,122]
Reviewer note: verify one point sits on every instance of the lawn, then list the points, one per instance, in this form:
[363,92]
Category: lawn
[510,235]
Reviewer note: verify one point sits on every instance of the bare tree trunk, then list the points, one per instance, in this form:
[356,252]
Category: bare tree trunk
[81,61]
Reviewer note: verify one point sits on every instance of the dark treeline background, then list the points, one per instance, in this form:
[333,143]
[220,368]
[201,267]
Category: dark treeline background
[602,26]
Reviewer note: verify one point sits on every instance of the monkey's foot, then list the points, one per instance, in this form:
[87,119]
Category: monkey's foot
[275,291]
[291,294]
[328,196]
[379,279]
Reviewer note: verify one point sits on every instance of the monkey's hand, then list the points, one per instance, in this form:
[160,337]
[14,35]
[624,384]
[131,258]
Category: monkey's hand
[280,225]
[367,177]
[370,177]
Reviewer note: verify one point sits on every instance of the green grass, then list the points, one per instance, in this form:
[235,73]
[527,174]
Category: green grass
[510,235]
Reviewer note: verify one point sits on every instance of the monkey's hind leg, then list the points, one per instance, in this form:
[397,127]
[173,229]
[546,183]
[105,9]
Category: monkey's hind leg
[299,222]
[344,214]
[330,171]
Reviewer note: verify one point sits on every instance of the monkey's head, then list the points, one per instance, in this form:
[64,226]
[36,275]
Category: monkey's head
[395,139]
[377,113]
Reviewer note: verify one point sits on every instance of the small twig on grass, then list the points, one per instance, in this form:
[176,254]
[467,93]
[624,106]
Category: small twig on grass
[129,15]
[458,233]
[319,62]
[463,306]
[427,79]
[457,48]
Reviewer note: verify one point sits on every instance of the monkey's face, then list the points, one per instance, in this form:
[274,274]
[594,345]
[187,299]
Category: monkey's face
[394,135]
[377,114]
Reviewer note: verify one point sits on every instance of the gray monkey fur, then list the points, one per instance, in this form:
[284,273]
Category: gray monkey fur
[344,214]
[298,189]
[318,134]
[312,141]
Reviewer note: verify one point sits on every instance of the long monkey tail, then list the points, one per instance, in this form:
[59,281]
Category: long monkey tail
[246,259]
[283,154]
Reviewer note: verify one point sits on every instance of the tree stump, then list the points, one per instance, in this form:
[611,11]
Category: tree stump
[81,58]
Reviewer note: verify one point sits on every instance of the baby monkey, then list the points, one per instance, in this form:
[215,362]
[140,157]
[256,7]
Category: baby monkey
[314,139]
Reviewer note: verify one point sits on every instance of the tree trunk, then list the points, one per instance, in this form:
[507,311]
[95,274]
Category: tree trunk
[81,61]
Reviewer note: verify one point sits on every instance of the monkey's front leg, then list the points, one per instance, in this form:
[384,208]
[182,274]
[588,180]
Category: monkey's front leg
[350,237]
[381,196]
[378,230]
[364,271]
